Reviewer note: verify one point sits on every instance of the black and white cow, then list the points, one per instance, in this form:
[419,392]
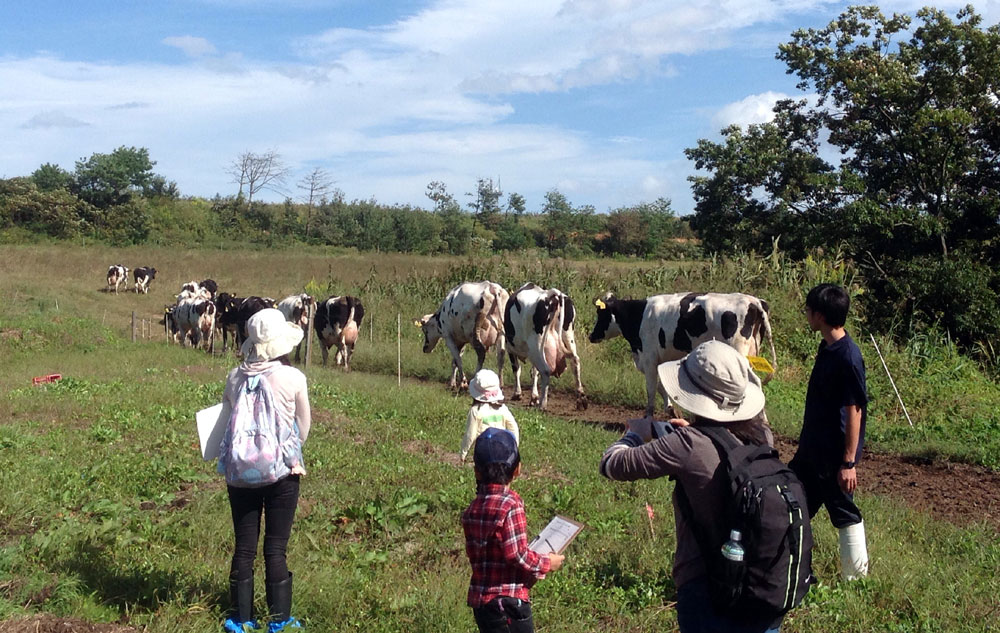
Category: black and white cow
[210,286]
[297,309]
[117,276]
[538,325]
[143,276]
[247,308]
[337,322]
[194,319]
[661,328]
[193,290]
[227,307]
[471,313]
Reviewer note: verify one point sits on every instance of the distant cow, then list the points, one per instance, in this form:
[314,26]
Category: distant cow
[297,309]
[471,313]
[117,276]
[538,325]
[247,308]
[210,286]
[337,322]
[193,290]
[661,328]
[227,307]
[195,321]
[142,278]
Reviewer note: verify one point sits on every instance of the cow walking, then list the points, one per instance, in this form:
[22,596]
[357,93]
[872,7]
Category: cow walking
[117,276]
[297,309]
[538,325]
[471,314]
[143,276]
[661,328]
[195,321]
[337,322]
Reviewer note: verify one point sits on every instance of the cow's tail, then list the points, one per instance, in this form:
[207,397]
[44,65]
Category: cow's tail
[766,331]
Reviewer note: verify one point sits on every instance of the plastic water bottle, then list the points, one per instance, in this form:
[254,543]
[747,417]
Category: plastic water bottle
[732,550]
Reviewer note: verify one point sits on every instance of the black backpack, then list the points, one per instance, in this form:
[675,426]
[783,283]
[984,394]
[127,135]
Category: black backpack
[767,504]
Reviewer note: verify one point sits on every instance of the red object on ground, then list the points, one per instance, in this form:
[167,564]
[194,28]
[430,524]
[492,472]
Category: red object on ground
[41,380]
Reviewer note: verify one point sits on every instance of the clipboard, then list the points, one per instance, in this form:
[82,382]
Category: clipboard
[211,428]
[556,536]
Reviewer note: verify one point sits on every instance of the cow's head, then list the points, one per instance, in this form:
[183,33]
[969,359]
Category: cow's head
[151,272]
[606,326]
[431,326]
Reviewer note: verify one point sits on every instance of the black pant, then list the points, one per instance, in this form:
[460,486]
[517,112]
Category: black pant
[822,489]
[504,615]
[277,501]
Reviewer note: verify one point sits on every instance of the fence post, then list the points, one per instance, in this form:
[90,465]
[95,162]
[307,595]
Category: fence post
[133,326]
[309,328]
[399,355]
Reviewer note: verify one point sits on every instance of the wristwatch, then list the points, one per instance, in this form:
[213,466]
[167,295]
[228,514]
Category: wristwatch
[847,465]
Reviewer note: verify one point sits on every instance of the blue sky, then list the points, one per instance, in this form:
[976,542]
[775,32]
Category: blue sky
[595,98]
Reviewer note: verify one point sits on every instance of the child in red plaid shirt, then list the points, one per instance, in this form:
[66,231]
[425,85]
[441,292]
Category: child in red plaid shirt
[496,540]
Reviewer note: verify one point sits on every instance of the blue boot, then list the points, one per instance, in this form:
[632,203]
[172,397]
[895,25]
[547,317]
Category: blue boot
[240,618]
[279,605]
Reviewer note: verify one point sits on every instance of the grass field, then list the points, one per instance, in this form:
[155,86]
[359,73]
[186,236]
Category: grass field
[107,512]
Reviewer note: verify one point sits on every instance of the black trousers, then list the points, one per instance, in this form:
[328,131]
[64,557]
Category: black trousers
[822,489]
[277,502]
[504,615]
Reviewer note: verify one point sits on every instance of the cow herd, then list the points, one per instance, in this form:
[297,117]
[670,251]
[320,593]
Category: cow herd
[532,324]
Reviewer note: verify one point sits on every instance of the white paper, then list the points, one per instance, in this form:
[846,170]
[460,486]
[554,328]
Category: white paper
[210,431]
[556,536]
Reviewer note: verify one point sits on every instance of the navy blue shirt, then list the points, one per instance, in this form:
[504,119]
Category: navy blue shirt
[837,381]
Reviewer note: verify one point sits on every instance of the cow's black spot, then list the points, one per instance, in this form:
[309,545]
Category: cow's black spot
[729,324]
[753,315]
[570,313]
[482,302]
[690,323]
[663,339]
[629,316]
[767,308]
[508,321]
[542,315]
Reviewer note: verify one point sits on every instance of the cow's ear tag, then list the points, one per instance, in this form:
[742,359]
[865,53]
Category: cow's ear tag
[761,364]
[417,322]
[600,304]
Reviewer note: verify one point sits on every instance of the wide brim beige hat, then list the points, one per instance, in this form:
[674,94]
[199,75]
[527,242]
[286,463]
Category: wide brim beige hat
[715,382]
[485,386]
[270,336]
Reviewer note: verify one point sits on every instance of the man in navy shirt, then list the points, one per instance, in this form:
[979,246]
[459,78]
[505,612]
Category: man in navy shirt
[833,426]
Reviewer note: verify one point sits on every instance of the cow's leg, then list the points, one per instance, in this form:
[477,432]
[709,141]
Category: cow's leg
[546,378]
[515,367]
[501,352]
[347,356]
[569,342]
[480,354]
[325,349]
[652,384]
[666,399]
[534,385]
[456,363]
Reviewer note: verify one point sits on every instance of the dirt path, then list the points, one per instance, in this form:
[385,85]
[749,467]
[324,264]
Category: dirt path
[958,493]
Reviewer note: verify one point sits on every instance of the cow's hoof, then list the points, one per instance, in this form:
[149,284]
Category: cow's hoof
[516,397]
[534,401]
[582,403]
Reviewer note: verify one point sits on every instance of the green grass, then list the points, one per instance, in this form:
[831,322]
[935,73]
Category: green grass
[107,511]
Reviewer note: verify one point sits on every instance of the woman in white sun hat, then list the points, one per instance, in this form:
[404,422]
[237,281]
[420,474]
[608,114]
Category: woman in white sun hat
[714,385]
[487,410]
[265,368]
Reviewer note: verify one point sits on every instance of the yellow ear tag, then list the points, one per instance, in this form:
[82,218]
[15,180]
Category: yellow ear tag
[417,322]
[600,304]
[761,364]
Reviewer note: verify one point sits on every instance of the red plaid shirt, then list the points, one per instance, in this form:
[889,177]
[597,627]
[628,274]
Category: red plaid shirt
[497,544]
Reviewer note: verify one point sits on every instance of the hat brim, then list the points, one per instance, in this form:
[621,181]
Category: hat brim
[278,346]
[688,396]
[478,394]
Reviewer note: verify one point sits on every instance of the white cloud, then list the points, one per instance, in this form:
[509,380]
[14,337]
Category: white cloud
[52,119]
[191,46]
[757,108]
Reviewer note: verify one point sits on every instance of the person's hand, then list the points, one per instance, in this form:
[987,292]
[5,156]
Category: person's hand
[297,469]
[555,561]
[643,427]
[848,479]
[678,422]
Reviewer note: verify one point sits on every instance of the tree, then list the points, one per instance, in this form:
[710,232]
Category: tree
[317,185]
[258,172]
[438,193]
[486,205]
[516,204]
[106,180]
[51,177]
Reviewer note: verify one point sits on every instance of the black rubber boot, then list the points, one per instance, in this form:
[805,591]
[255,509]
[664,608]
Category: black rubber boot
[241,611]
[279,605]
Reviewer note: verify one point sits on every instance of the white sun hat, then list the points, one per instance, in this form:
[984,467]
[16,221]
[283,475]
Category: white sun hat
[714,381]
[270,336]
[485,386]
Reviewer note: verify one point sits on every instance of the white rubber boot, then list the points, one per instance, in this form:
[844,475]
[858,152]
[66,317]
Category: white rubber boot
[853,552]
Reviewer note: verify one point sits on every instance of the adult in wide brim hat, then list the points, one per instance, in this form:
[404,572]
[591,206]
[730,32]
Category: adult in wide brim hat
[715,382]
[270,336]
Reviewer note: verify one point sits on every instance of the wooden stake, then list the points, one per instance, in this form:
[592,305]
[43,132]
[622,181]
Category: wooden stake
[133,326]
[891,381]
[309,329]
[399,354]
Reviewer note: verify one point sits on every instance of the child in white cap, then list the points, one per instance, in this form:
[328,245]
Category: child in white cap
[487,410]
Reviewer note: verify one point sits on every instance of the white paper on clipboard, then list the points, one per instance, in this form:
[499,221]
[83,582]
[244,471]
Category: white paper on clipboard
[556,535]
[210,431]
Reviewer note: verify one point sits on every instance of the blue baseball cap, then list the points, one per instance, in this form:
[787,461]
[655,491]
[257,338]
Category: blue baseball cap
[495,446]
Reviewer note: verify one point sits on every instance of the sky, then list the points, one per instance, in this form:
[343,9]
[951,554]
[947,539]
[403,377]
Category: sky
[594,98]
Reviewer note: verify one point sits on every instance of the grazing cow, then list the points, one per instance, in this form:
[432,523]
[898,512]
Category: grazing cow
[211,287]
[661,328]
[247,308]
[297,309]
[195,321]
[117,276]
[538,326]
[471,313]
[338,320]
[142,278]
